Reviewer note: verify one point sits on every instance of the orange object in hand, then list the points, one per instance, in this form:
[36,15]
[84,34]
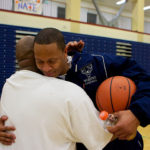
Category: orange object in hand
[103,115]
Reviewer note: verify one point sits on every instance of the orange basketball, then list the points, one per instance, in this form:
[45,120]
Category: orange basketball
[115,93]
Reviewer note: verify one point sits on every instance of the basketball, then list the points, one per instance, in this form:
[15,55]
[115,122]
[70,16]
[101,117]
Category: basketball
[115,93]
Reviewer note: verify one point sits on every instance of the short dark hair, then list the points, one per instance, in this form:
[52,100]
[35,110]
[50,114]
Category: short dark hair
[50,35]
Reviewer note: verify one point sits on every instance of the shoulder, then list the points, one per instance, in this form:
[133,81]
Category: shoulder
[97,57]
[72,91]
[83,58]
[69,87]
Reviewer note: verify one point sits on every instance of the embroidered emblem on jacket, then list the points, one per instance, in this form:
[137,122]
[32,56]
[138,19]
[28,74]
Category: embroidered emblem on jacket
[87,70]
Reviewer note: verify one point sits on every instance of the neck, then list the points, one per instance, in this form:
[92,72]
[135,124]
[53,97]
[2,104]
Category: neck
[30,69]
[66,68]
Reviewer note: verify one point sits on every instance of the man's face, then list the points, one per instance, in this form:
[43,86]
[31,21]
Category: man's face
[50,60]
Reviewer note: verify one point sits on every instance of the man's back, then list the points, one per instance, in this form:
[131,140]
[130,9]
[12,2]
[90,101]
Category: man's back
[49,114]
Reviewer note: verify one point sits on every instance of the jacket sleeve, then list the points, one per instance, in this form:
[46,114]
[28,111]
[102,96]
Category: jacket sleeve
[140,104]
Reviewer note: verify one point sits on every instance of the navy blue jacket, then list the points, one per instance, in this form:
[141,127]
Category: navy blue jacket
[88,71]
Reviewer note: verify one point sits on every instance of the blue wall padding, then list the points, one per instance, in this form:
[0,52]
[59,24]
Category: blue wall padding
[93,45]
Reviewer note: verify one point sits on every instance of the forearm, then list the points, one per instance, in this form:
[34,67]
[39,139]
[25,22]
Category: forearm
[141,109]
[140,103]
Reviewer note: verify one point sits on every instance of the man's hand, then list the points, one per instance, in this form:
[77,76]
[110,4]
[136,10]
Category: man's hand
[6,138]
[75,46]
[126,127]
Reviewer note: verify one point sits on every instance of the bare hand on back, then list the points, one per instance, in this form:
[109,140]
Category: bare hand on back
[75,46]
[6,137]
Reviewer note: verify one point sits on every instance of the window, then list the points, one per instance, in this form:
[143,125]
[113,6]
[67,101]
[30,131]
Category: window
[61,12]
[6,4]
[91,18]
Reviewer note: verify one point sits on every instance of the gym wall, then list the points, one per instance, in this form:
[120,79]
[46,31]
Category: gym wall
[97,39]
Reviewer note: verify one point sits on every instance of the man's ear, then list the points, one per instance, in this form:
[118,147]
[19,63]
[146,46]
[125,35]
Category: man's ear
[66,51]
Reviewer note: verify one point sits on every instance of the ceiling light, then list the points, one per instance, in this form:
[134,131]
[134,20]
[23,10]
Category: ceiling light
[120,2]
[146,7]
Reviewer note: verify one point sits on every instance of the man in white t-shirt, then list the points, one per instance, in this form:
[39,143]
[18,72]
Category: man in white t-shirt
[50,113]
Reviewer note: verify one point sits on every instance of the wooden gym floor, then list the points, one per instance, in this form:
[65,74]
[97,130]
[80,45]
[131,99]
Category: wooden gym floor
[146,136]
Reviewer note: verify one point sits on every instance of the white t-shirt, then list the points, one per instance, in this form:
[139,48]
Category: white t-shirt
[50,114]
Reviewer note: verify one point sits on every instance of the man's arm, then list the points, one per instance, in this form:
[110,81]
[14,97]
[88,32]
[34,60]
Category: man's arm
[86,126]
[138,112]
[6,138]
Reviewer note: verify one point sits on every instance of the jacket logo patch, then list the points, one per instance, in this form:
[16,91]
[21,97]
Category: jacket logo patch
[87,70]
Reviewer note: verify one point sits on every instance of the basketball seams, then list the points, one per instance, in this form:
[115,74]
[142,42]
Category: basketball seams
[98,104]
[111,94]
[129,93]
[115,93]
